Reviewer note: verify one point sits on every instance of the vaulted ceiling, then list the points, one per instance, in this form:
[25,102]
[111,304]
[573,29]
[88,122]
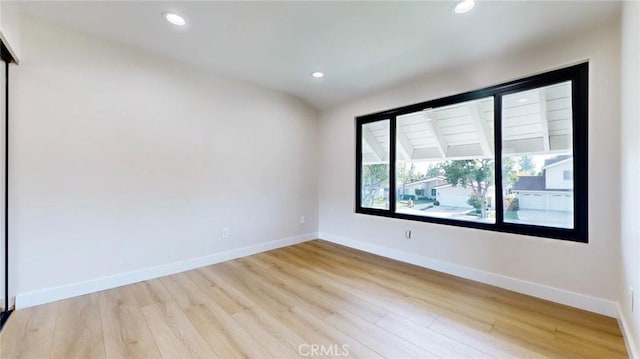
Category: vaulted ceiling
[361,46]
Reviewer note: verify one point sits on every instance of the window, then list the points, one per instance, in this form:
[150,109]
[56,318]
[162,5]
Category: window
[537,156]
[442,146]
[510,158]
[374,180]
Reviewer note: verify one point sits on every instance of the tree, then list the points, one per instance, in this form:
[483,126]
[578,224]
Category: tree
[527,165]
[434,171]
[374,178]
[476,174]
[474,202]
[406,175]
[509,175]
[511,207]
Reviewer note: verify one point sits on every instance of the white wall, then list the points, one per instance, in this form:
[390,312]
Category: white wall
[629,153]
[555,176]
[10,26]
[585,275]
[122,161]
[10,37]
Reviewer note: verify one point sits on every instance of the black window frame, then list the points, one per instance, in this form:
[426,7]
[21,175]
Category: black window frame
[579,77]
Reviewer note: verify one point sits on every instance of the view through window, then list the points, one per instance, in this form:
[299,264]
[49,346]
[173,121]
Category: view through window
[511,158]
[375,168]
[537,156]
[445,164]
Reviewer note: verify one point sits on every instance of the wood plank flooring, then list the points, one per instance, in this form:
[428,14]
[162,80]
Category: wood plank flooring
[314,299]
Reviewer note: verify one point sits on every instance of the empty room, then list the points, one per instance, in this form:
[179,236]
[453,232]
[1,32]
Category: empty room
[320,179]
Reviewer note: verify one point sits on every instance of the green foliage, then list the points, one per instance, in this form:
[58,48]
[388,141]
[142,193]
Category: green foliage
[374,178]
[509,175]
[436,203]
[477,174]
[512,205]
[474,201]
[468,172]
[434,171]
[407,174]
[527,165]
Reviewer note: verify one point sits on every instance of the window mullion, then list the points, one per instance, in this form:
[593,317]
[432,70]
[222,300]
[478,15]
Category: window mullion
[497,149]
[359,165]
[392,164]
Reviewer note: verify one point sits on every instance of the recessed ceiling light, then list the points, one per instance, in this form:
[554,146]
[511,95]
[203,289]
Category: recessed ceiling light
[318,74]
[174,18]
[464,6]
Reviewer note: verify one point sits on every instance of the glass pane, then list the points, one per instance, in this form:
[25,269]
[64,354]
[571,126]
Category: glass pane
[375,165]
[444,162]
[537,156]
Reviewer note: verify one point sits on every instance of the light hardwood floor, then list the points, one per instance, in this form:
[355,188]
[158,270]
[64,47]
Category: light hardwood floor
[279,303]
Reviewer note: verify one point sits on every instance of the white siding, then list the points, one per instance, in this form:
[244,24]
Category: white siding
[561,202]
[532,201]
[453,196]
[555,176]
[546,200]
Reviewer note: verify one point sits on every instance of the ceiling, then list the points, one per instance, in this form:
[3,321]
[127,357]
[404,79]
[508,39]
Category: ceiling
[362,47]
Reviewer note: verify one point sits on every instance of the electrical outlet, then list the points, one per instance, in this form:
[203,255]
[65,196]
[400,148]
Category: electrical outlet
[632,299]
[225,233]
[407,233]
[303,219]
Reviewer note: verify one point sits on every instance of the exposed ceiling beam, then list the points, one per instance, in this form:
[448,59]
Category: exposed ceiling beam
[370,140]
[432,122]
[481,127]
[404,145]
[542,97]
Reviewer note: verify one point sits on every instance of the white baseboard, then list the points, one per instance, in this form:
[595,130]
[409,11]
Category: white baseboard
[632,349]
[29,299]
[573,299]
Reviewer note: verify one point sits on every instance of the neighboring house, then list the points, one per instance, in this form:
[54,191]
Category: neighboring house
[437,188]
[553,191]
[427,186]
[458,196]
